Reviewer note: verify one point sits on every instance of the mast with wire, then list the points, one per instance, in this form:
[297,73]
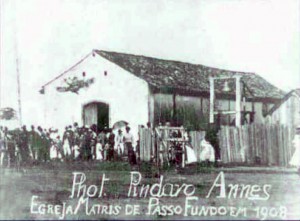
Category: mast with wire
[19,88]
[17,69]
[1,31]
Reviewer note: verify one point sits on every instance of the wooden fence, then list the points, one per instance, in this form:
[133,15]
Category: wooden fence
[260,144]
[196,138]
[148,143]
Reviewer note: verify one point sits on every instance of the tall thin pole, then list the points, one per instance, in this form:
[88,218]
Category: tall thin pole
[1,31]
[211,99]
[17,68]
[19,88]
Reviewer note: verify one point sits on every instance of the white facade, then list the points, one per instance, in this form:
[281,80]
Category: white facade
[288,113]
[126,95]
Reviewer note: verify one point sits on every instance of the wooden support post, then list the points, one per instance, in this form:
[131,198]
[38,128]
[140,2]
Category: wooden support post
[218,121]
[201,105]
[252,112]
[174,117]
[211,100]
[183,157]
[238,102]
[244,115]
[228,116]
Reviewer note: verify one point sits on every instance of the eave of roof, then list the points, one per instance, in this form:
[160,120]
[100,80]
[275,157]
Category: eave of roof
[295,92]
[176,76]
[168,76]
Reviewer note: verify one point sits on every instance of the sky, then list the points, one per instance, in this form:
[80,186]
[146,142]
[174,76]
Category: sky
[49,36]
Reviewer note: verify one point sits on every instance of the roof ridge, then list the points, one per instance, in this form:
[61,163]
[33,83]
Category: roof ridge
[172,60]
[164,73]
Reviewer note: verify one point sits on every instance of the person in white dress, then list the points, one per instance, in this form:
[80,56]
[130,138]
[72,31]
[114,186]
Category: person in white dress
[66,144]
[190,152]
[76,143]
[119,145]
[55,149]
[76,150]
[295,160]
[99,149]
[208,151]
[2,146]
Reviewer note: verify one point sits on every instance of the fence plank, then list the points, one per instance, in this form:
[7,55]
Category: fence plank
[271,143]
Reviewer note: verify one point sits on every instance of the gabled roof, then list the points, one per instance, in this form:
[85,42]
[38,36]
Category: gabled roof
[181,76]
[295,92]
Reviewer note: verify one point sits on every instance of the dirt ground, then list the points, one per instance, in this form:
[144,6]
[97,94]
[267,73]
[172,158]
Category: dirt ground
[52,184]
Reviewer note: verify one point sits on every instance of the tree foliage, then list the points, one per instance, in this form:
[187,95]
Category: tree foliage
[73,84]
[7,113]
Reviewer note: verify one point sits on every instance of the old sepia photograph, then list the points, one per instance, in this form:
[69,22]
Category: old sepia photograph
[149,110]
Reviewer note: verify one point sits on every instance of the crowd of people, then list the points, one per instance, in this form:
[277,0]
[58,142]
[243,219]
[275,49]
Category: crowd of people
[90,144]
[85,143]
[77,143]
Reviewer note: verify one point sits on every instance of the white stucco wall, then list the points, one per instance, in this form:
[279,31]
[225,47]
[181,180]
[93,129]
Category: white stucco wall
[126,94]
[288,113]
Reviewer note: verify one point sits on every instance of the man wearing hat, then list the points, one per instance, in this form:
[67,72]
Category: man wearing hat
[128,141]
[295,161]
